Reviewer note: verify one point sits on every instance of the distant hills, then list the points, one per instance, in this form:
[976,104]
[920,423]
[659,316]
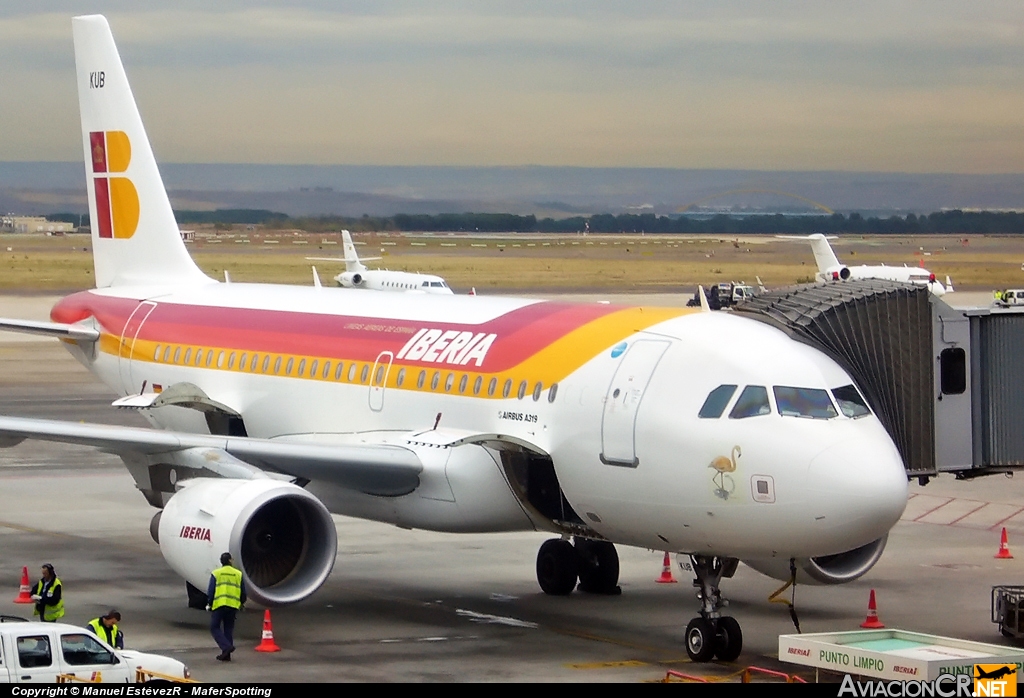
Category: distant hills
[39,188]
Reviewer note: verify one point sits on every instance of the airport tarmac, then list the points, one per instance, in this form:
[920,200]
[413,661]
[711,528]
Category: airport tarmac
[419,606]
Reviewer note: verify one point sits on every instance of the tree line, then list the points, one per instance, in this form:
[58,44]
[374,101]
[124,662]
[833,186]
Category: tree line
[939,222]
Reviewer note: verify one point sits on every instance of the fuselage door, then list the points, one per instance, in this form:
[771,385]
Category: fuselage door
[126,347]
[379,379]
[618,440]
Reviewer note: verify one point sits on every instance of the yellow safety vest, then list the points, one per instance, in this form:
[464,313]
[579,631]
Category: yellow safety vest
[102,632]
[228,589]
[50,613]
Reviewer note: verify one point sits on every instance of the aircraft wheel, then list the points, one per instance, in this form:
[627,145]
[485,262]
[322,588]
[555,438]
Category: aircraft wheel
[700,640]
[557,567]
[729,640]
[598,566]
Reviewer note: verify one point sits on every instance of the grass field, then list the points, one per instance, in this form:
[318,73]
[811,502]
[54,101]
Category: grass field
[532,262]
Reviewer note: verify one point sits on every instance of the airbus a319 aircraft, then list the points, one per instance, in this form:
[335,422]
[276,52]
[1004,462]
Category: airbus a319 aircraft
[831,269]
[356,275]
[276,406]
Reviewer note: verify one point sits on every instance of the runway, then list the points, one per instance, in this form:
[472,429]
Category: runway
[418,606]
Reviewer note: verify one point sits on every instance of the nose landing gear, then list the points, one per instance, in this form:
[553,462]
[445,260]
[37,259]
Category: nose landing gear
[712,634]
[594,563]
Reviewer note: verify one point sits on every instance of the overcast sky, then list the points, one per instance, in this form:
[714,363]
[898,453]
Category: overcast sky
[930,86]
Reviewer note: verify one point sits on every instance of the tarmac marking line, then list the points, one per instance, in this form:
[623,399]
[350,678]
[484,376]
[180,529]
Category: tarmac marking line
[918,518]
[608,640]
[628,663]
[952,511]
[977,508]
[1002,521]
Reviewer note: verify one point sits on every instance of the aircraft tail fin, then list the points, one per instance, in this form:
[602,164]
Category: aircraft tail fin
[352,262]
[135,239]
[824,257]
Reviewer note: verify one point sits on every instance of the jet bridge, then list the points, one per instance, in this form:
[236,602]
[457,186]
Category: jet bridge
[947,382]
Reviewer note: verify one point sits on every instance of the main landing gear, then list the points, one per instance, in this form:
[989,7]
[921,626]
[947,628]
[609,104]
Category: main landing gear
[712,634]
[593,562]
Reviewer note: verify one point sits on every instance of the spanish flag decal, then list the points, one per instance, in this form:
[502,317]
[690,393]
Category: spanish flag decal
[117,201]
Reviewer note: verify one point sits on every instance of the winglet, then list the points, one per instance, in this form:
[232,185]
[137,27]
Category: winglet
[704,305]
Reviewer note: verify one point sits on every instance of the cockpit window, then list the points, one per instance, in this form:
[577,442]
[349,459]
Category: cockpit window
[804,402]
[752,403]
[717,400]
[850,401]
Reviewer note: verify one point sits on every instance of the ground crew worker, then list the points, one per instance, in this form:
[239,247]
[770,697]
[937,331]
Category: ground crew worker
[105,628]
[226,594]
[47,595]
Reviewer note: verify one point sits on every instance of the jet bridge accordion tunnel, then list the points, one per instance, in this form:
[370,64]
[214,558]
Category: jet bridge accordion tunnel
[946,382]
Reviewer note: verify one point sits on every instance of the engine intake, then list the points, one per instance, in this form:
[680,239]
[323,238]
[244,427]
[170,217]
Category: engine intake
[825,569]
[282,536]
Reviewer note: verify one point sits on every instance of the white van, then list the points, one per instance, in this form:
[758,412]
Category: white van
[34,652]
[1011,296]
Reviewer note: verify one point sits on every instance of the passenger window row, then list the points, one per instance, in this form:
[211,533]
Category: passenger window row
[811,403]
[278,365]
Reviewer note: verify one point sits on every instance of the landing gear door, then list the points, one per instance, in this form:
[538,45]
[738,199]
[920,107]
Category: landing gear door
[126,346]
[379,379]
[618,439]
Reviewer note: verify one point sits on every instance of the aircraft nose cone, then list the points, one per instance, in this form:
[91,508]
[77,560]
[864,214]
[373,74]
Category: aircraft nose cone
[862,486]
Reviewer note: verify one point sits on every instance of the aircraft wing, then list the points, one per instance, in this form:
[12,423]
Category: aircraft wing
[50,329]
[379,469]
[340,259]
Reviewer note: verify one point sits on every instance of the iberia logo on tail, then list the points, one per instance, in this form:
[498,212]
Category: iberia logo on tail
[117,201]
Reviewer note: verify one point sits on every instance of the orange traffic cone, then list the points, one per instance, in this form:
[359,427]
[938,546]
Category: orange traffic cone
[666,572]
[24,593]
[872,619]
[267,643]
[1004,547]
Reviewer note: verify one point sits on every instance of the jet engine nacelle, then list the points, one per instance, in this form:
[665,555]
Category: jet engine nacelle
[825,569]
[280,536]
[351,279]
[837,274]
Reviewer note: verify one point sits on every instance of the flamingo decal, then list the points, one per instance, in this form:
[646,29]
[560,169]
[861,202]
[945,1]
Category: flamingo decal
[724,485]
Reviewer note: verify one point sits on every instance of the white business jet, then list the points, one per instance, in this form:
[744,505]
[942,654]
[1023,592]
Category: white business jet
[831,269]
[277,406]
[356,275]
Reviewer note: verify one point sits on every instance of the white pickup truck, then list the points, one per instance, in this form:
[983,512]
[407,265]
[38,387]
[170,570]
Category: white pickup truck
[33,652]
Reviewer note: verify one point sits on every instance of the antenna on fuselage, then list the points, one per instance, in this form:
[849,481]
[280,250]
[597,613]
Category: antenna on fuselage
[316,278]
[227,277]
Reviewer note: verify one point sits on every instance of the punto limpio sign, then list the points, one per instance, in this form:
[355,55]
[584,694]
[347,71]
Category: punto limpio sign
[893,654]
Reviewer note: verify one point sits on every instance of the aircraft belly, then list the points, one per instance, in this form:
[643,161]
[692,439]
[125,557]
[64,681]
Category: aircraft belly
[462,490]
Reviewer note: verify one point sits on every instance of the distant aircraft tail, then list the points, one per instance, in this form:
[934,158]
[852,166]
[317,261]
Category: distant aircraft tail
[135,239]
[824,257]
[352,262]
